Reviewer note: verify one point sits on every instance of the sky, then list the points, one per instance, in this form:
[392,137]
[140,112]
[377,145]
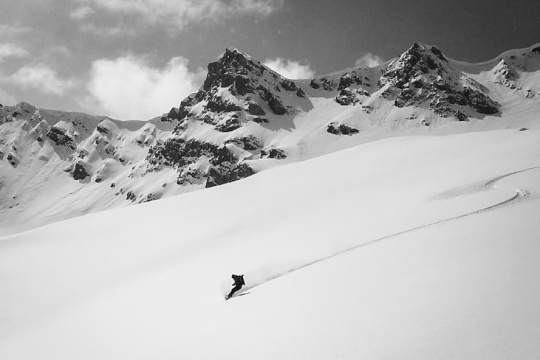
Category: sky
[135,59]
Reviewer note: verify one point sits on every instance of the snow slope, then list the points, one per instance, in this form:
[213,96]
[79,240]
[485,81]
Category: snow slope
[420,247]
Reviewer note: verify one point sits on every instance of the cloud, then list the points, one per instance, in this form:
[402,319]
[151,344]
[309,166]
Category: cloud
[82,12]
[42,78]
[290,69]
[13,30]
[107,31]
[9,50]
[368,60]
[176,15]
[130,88]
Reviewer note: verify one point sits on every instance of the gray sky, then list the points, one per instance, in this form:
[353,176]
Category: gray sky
[138,58]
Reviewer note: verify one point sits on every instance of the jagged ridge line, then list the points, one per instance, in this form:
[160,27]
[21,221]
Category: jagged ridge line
[489,184]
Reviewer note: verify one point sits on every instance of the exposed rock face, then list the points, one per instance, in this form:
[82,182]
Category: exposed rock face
[351,97]
[422,76]
[353,86]
[12,159]
[326,83]
[220,164]
[255,109]
[341,129]
[60,137]
[238,90]
[182,111]
[78,170]
[176,152]
[273,153]
[226,173]
[480,102]
[274,103]
[233,69]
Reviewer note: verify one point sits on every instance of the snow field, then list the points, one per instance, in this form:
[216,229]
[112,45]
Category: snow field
[147,281]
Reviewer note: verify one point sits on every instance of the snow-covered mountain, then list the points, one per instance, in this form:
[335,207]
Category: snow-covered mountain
[364,244]
[246,118]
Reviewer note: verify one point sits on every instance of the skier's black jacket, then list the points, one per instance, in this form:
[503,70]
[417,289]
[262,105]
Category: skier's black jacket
[238,280]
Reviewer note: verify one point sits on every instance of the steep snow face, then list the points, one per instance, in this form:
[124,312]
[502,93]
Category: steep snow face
[245,119]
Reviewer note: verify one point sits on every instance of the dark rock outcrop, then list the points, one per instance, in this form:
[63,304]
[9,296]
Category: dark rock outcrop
[179,154]
[226,173]
[480,102]
[347,97]
[255,109]
[78,170]
[341,129]
[273,153]
[326,83]
[182,111]
[61,138]
[237,89]
[274,102]
[12,159]
[232,69]
[102,128]
[422,76]
[131,196]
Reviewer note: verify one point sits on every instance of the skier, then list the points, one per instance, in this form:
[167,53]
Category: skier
[238,283]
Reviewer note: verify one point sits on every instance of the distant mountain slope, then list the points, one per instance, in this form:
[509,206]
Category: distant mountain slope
[244,119]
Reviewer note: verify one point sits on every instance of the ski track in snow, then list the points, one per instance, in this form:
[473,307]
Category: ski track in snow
[520,194]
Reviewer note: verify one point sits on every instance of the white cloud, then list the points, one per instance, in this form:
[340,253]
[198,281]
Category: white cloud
[129,88]
[181,13]
[13,30]
[290,69]
[9,50]
[107,31]
[369,60]
[42,78]
[81,13]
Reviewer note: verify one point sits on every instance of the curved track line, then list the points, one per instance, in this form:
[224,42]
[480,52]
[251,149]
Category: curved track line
[489,185]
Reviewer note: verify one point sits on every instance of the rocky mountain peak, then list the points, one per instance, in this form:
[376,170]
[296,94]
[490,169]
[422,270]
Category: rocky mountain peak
[423,77]
[418,60]
[233,68]
[234,58]
[236,89]
[239,95]
[21,111]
